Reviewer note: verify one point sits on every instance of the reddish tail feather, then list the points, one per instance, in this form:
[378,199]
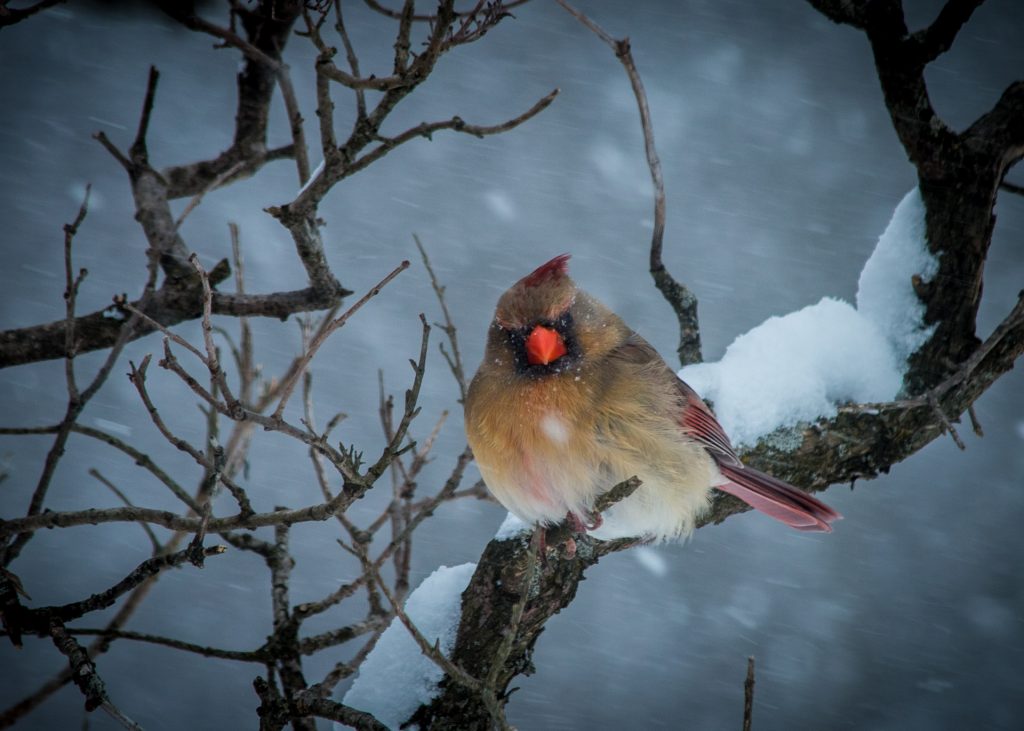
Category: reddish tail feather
[778,499]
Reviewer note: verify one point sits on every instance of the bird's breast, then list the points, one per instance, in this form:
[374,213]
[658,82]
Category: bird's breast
[536,447]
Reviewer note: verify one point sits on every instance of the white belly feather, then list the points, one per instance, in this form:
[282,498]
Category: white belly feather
[564,472]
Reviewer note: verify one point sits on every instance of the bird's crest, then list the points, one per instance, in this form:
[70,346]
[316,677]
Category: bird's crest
[547,272]
[543,294]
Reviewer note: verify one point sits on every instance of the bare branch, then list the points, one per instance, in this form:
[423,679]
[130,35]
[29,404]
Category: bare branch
[10,16]
[138,379]
[257,656]
[276,712]
[938,38]
[455,358]
[215,183]
[748,695]
[124,499]
[421,18]
[71,285]
[318,340]
[139,152]
[679,297]
[149,567]
[426,129]
[1012,187]
[77,400]
[95,516]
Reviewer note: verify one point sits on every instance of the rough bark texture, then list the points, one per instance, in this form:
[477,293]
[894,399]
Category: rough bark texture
[959,174]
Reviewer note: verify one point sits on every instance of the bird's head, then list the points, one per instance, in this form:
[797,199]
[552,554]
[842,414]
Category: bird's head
[547,325]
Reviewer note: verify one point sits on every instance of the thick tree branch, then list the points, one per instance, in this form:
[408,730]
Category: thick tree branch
[938,38]
[168,306]
[10,16]
[267,27]
[959,174]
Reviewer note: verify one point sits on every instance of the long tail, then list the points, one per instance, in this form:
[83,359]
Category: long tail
[778,499]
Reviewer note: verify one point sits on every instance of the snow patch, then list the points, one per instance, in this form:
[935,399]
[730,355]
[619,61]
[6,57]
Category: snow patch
[800,366]
[312,176]
[796,368]
[511,528]
[396,678]
[885,294]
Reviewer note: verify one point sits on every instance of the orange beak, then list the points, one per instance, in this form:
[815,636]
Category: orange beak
[544,346]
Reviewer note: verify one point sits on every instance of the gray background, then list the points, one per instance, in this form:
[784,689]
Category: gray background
[781,169]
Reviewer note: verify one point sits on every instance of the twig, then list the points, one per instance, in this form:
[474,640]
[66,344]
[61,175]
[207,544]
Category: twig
[247,372]
[617,493]
[212,359]
[426,129]
[343,670]
[138,379]
[77,401]
[284,80]
[353,60]
[679,297]
[426,18]
[141,460]
[83,670]
[138,151]
[104,599]
[975,424]
[454,359]
[72,283]
[10,16]
[114,151]
[325,332]
[285,637]
[275,712]
[316,643]
[748,695]
[212,185]
[173,521]
[215,652]
[394,447]
[934,403]
[124,499]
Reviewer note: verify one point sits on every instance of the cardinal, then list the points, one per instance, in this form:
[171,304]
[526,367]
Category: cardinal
[569,401]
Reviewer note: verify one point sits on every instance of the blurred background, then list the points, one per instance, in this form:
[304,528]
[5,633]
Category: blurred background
[781,170]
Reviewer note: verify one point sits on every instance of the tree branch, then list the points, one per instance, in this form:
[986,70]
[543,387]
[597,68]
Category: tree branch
[959,175]
[682,301]
[10,16]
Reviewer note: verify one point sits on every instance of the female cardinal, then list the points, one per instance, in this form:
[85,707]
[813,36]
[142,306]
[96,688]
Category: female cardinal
[569,401]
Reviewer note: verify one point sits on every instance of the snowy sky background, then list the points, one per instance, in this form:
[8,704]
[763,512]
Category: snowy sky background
[781,170]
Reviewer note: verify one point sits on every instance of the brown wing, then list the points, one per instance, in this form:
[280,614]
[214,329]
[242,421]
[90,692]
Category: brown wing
[761,491]
[695,417]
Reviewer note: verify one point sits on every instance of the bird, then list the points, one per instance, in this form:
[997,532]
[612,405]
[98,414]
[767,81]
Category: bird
[569,401]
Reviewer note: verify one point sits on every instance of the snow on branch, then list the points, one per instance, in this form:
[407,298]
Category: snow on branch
[803,366]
